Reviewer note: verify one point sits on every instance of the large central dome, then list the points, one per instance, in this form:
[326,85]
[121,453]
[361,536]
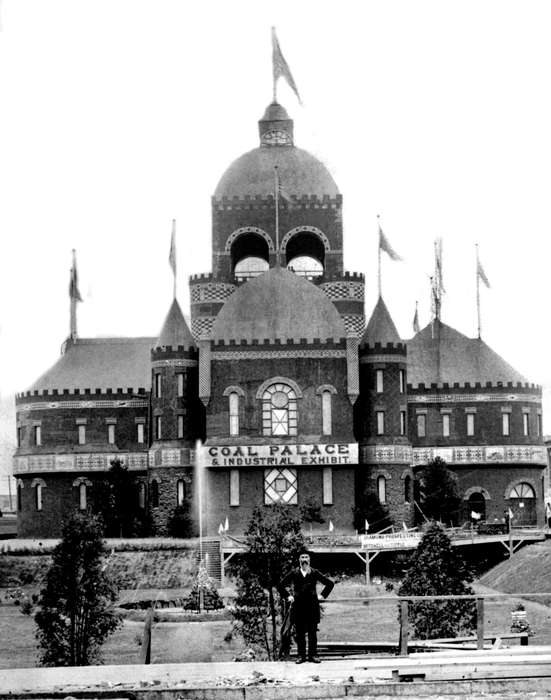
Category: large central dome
[278,305]
[300,173]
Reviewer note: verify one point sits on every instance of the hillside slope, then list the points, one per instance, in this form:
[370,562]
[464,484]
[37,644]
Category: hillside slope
[527,571]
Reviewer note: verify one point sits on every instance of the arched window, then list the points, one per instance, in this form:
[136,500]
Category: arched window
[250,255]
[522,490]
[305,254]
[407,489]
[234,413]
[180,492]
[279,410]
[381,489]
[82,499]
[141,494]
[19,496]
[326,418]
[154,493]
[38,496]
[477,504]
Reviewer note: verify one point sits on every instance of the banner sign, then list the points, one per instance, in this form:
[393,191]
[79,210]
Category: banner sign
[325,454]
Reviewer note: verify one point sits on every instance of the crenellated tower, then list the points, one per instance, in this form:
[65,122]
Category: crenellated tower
[381,417]
[176,419]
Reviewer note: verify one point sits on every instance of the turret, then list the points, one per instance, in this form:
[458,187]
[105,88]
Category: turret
[175,418]
[381,416]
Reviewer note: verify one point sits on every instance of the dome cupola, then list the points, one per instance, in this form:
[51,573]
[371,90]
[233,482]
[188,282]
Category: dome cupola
[275,127]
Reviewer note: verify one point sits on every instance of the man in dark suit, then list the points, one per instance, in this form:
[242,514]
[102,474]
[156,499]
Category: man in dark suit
[299,589]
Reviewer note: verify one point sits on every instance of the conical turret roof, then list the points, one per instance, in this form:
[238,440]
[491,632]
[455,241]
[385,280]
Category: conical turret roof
[175,330]
[381,328]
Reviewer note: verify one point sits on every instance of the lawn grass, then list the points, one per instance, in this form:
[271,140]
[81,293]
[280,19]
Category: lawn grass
[364,620]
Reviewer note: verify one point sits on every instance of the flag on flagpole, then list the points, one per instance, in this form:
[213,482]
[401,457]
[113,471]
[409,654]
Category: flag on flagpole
[416,320]
[226,524]
[280,191]
[475,515]
[281,68]
[74,294]
[385,246]
[366,526]
[331,526]
[480,272]
[510,514]
[220,529]
[405,526]
[172,254]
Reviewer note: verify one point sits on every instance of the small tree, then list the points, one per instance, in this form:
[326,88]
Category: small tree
[437,569]
[181,523]
[274,541]
[438,492]
[76,615]
[371,509]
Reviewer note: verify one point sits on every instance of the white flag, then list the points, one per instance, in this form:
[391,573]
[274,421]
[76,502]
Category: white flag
[331,526]
[220,529]
[405,527]
[475,515]
[366,526]
[226,524]
[510,514]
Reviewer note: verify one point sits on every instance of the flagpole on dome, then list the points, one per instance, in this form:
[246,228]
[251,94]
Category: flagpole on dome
[280,69]
[276,201]
[477,291]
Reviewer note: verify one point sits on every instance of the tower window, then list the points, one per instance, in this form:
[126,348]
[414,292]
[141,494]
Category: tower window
[540,427]
[380,422]
[421,425]
[279,410]
[326,418]
[82,496]
[38,496]
[379,379]
[470,424]
[81,434]
[445,425]
[381,489]
[402,381]
[158,385]
[37,435]
[526,424]
[305,254]
[18,436]
[111,434]
[250,255]
[19,496]
[180,492]
[158,427]
[180,426]
[141,495]
[327,486]
[141,432]
[234,487]
[180,383]
[402,422]
[407,489]
[154,493]
[234,412]
[505,423]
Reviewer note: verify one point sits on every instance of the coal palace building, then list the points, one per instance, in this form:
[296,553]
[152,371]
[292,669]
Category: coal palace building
[295,398]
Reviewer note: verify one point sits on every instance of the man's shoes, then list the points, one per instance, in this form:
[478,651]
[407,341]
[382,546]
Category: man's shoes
[314,660]
[300,660]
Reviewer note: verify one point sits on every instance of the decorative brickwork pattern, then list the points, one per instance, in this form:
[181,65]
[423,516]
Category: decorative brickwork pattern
[77,462]
[45,405]
[305,229]
[339,290]
[468,398]
[276,354]
[499,454]
[354,324]
[248,229]
[215,291]
[389,454]
[202,326]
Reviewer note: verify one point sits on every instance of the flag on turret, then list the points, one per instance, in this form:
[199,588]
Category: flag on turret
[480,272]
[74,294]
[280,67]
[172,254]
[386,247]
[416,320]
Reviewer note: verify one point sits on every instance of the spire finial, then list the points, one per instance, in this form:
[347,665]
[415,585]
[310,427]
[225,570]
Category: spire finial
[172,254]
[74,297]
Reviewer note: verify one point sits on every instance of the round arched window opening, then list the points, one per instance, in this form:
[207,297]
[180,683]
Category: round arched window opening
[249,256]
[305,255]
[522,504]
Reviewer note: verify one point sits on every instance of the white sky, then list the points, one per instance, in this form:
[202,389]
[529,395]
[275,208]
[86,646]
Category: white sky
[118,115]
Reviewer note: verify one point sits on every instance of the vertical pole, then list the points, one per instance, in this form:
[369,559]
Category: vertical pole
[404,627]
[199,474]
[274,78]
[9,491]
[276,202]
[510,540]
[480,623]
[379,284]
[173,247]
[477,293]
[73,301]
[367,571]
